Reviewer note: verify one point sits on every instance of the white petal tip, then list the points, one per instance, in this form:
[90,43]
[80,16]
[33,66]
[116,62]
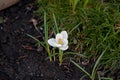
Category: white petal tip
[64,48]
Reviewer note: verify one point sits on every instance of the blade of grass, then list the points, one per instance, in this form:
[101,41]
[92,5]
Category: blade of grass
[56,25]
[74,4]
[81,68]
[99,78]
[82,78]
[46,36]
[85,3]
[96,64]
[74,28]
[52,55]
[38,41]
[45,27]
[103,39]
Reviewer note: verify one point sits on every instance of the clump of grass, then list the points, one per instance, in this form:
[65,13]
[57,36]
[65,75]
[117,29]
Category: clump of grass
[44,43]
[93,74]
[92,26]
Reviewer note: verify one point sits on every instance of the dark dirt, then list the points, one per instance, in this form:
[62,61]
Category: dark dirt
[19,58]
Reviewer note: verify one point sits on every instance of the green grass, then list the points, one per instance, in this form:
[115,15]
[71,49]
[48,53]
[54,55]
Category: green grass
[94,70]
[92,25]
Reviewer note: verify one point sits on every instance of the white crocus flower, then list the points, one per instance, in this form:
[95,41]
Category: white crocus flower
[60,41]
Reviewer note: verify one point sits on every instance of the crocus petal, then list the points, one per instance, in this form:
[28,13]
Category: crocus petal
[64,47]
[64,35]
[58,36]
[52,42]
[65,42]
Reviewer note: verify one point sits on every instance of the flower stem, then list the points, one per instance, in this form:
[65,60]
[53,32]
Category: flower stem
[60,57]
[49,54]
